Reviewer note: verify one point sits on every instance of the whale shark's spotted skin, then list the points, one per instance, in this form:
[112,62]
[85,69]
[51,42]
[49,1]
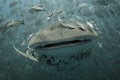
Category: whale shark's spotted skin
[61,43]
[57,31]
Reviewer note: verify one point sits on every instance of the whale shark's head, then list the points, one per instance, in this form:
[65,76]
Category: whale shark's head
[63,39]
[61,43]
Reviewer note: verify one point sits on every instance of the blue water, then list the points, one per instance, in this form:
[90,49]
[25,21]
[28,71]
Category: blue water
[102,64]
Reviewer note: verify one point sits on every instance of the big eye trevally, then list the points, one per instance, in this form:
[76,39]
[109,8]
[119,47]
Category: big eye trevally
[14,3]
[12,23]
[36,8]
[15,22]
[61,39]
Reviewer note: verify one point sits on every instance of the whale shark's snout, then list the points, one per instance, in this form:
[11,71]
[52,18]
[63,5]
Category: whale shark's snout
[63,39]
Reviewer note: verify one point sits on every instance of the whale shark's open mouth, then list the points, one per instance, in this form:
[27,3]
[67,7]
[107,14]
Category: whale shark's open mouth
[65,43]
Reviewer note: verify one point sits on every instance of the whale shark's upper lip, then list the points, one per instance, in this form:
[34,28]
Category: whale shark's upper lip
[63,43]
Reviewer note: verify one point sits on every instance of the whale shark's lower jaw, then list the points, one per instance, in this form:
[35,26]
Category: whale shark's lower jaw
[64,48]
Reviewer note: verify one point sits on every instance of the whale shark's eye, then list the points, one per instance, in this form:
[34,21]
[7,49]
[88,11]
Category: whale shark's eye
[63,44]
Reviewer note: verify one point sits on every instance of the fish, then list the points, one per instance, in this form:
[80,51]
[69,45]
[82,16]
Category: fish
[60,18]
[39,5]
[50,14]
[3,1]
[1,20]
[15,22]
[100,2]
[25,55]
[36,9]
[59,11]
[73,26]
[60,42]
[14,3]
[30,36]
[90,24]
[82,5]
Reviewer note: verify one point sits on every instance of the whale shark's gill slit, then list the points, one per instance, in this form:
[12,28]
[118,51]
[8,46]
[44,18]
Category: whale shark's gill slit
[63,44]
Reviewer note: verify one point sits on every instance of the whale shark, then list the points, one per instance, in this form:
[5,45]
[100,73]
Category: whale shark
[60,40]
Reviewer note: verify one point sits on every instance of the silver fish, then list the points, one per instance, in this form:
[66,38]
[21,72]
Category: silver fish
[15,22]
[59,11]
[50,14]
[39,5]
[14,3]
[100,2]
[36,8]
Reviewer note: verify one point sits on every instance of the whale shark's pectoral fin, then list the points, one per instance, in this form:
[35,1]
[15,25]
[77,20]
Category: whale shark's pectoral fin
[24,54]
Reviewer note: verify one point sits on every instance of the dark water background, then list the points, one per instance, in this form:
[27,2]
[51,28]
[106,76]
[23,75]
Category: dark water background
[103,62]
